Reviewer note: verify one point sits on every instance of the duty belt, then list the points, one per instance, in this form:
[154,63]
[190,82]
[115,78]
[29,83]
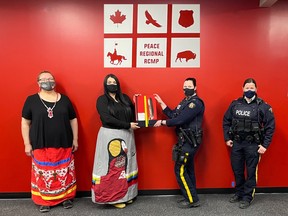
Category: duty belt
[183,136]
[249,138]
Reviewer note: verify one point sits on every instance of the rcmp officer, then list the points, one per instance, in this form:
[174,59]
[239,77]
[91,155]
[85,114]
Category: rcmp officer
[187,118]
[248,126]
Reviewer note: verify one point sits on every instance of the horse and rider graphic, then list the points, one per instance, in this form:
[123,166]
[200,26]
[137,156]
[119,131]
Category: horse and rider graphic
[115,59]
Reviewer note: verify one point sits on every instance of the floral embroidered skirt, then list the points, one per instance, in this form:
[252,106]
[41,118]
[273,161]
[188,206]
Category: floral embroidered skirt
[53,177]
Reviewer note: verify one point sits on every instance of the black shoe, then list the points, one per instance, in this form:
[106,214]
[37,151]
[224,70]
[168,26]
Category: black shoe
[181,200]
[44,209]
[186,204]
[244,204]
[67,204]
[235,198]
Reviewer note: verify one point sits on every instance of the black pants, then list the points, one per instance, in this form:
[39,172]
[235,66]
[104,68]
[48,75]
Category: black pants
[185,174]
[245,153]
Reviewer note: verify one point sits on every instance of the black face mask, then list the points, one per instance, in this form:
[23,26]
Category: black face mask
[112,88]
[189,92]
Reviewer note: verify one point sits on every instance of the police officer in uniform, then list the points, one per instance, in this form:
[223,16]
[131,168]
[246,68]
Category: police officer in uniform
[248,126]
[187,118]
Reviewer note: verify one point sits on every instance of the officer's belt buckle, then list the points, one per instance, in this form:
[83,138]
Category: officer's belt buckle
[249,138]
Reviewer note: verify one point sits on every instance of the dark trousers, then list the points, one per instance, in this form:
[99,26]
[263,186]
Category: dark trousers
[245,153]
[185,174]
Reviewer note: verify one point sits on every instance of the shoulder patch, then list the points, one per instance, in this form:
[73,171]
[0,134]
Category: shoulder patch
[271,110]
[192,105]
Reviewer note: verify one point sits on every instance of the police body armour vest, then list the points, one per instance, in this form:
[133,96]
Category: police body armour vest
[245,116]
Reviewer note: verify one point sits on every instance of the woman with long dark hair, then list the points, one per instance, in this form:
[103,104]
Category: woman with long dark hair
[115,170]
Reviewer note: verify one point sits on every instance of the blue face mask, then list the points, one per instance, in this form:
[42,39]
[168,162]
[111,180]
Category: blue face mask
[249,94]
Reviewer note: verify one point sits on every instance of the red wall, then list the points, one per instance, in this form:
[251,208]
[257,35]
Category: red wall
[238,40]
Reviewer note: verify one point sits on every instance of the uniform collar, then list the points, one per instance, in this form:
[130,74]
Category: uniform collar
[189,98]
[249,100]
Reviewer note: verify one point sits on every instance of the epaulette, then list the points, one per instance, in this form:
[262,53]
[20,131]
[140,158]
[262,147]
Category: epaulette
[259,101]
[197,98]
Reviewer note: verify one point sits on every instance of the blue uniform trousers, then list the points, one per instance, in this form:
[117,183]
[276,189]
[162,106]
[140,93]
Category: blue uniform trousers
[245,153]
[185,174]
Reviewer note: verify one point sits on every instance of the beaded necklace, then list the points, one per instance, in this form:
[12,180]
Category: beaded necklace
[49,109]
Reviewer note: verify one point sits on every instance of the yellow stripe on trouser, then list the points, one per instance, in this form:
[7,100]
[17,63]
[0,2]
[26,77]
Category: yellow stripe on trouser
[184,181]
[256,174]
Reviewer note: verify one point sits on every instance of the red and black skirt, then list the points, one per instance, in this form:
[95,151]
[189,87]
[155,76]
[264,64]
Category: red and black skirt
[53,178]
